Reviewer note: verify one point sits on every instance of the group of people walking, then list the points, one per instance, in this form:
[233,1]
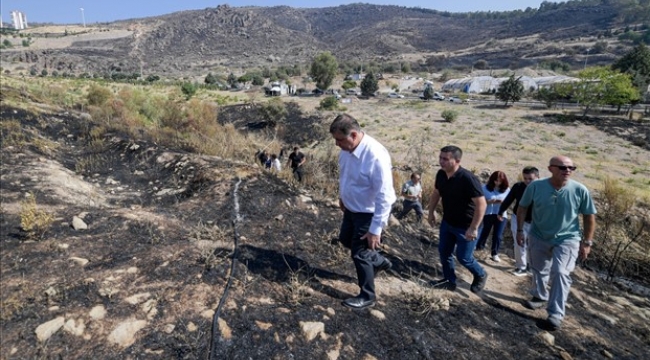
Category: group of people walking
[273,162]
[545,219]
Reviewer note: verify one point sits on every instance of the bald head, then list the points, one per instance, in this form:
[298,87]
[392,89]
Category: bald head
[560,160]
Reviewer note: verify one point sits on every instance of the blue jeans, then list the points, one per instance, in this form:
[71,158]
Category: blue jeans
[491,222]
[454,238]
[411,205]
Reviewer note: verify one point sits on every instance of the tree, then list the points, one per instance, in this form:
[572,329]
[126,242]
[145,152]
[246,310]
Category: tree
[232,80]
[428,93]
[152,78]
[406,67]
[604,86]
[637,64]
[349,84]
[510,90]
[211,79]
[369,85]
[323,70]
[189,89]
[258,80]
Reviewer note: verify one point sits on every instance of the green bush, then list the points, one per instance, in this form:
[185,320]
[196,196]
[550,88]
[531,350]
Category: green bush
[188,89]
[449,115]
[329,103]
[98,95]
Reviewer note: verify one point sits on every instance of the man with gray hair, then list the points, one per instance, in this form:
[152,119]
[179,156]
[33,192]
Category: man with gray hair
[366,196]
[556,241]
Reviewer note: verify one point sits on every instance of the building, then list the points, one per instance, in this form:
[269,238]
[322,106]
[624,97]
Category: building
[471,85]
[19,20]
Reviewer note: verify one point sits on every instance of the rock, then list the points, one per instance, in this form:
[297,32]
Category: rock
[311,329]
[138,298]
[47,329]
[547,338]
[138,173]
[63,246]
[279,217]
[392,221]
[83,215]
[378,314]
[208,314]
[263,325]
[124,334]
[191,327]
[169,328]
[78,224]
[607,354]
[331,311]
[78,260]
[110,181]
[53,308]
[97,313]
[333,354]
[565,355]
[132,270]
[74,328]
[50,291]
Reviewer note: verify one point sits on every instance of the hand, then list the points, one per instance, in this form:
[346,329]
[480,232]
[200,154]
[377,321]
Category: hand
[471,234]
[341,205]
[520,238]
[583,254]
[373,240]
[500,218]
[431,219]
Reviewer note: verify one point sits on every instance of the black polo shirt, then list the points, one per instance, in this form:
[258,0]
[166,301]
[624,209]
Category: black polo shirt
[457,193]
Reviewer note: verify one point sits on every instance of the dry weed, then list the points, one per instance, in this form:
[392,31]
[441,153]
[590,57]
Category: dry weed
[34,221]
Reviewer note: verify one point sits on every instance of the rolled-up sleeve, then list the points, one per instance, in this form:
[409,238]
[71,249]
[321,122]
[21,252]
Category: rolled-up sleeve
[382,179]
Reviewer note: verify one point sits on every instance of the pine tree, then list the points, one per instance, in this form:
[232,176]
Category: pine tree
[510,90]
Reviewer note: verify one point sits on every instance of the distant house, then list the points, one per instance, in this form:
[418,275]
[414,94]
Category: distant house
[548,81]
[277,88]
[355,77]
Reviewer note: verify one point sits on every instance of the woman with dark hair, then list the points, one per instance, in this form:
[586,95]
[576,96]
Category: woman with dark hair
[495,192]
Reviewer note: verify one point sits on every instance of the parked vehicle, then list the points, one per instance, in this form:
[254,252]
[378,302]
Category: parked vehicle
[351,92]
[438,96]
[395,96]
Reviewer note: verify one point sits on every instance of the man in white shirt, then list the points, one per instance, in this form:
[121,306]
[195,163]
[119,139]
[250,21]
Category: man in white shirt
[412,193]
[366,196]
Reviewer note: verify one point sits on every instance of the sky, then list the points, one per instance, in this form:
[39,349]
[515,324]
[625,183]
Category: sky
[69,11]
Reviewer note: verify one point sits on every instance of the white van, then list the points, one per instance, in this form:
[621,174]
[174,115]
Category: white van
[351,92]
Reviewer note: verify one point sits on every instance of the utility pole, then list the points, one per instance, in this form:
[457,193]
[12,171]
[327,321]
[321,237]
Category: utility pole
[83,19]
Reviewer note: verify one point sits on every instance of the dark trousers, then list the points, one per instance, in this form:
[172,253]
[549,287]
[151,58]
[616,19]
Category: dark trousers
[297,173]
[411,205]
[354,226]
[491,223]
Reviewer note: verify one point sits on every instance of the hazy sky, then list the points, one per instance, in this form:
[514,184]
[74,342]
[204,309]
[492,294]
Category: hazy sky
[68,11]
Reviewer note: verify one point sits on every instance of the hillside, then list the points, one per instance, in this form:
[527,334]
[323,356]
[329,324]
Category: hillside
[195,42]
[168,240]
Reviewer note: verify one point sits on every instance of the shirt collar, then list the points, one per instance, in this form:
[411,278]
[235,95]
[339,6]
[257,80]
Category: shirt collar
[361,147]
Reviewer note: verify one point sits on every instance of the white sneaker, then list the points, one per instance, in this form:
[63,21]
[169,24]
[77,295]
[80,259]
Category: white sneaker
[496,258]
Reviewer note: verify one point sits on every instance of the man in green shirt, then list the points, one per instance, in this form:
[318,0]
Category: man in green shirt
[556,241]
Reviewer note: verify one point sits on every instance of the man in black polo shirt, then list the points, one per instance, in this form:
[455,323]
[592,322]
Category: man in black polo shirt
[296,160]
[463,206]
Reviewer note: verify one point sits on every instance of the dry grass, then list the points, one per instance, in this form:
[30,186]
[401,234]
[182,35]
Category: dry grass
[34,221]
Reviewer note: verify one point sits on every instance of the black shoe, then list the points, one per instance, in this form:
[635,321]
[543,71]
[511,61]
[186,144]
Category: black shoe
[478,284]
[443,284]
[358,303]
[384,266]
[534,303]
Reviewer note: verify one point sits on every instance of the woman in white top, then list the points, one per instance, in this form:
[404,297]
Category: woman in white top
[276,166]
[495,192]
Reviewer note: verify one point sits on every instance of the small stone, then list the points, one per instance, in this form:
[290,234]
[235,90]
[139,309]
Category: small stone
[565,355]
[132,270]
[50,291]
[53,308]
[311,329]
[191,327]
[208,314]
[138,298]
[547,338]
[47,329]
[607,354]
[378,314]
[73,328]
[97,313]
[63,246]
[169,328]
[224,329]
[78,224]
[279,217]
[80,261]
[83,215]
[124,334]
[307,234]
[263,325]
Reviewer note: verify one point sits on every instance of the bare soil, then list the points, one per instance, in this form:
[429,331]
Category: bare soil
[173,237]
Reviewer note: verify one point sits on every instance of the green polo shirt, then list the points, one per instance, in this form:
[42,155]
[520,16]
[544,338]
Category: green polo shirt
[555,212]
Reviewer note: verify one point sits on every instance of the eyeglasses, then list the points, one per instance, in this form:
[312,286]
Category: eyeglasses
[565,168]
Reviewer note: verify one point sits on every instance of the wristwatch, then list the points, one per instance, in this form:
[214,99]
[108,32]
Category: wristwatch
[587,242]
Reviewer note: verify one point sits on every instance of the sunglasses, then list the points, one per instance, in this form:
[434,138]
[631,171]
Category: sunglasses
[565,168]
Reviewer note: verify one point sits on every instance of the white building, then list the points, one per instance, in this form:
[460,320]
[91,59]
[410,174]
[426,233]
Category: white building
[19,20]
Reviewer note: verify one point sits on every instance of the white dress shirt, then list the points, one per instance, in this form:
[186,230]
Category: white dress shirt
[366,182]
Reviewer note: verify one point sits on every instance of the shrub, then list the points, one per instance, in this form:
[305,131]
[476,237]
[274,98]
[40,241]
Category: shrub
[98,95]
[329,103]
[34,221]
[449,115]
[188,89]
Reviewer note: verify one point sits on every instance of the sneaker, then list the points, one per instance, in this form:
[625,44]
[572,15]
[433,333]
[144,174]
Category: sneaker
[553,323]
[534,303]
[496,258]
[478,284]
[520,272]
[443,284]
